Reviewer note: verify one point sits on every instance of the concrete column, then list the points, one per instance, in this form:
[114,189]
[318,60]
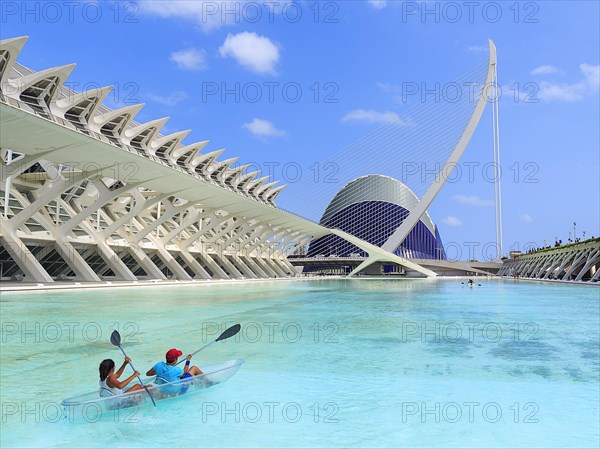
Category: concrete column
[122,272]
[554,263]
[77,263]
[567,258]
[251,262]
[177,270]
[272,264]
[145,262]
[26,261]
[235,273]
[594,256]
[69,254]
[210,263]
[579,260]
[596,276]
[265,267]
[251,266]
[287,267]
[198,269]
[243,267]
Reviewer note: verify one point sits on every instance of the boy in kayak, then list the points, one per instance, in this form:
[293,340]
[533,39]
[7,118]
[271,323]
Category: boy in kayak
[109,379]
[169,371]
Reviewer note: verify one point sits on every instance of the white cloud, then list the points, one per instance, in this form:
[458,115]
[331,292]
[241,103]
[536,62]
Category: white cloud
[378,4]
[526,218]
[570,92]
[371,116]
[256,53]
[591,74]
[263,128]
[210,15]
[389,88]
[189,59]
[545,70]
[472,200]
[451,220]
[207,14]
[477,48]
[169,100]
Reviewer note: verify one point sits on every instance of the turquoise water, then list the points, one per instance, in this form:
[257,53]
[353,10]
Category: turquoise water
[332,363]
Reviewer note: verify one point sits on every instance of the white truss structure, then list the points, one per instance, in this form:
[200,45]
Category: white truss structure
[578,262]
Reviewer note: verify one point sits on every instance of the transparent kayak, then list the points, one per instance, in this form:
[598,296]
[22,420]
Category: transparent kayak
[91,406]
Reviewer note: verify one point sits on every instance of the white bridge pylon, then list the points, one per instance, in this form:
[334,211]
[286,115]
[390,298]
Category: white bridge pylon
[398,236]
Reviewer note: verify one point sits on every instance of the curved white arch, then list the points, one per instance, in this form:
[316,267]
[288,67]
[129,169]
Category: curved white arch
[415,215]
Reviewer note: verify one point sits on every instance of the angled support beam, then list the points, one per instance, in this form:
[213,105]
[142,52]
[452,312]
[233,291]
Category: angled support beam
[52,191]
[141,204]
[230,266]
[207,260]
[26,261]
[105,195]
[254,266]
[243,267]
[592,259]
[166,216]
[18,166]
[194,265]
[579,260]
[114,262]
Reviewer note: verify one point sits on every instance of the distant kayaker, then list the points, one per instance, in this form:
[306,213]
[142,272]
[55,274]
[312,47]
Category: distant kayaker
[169,371]
[109,379]
[470,282]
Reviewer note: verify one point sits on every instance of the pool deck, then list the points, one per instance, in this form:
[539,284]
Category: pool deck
[552,281]
[18,287]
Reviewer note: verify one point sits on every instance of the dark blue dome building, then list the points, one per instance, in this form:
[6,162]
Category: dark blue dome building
[371,208]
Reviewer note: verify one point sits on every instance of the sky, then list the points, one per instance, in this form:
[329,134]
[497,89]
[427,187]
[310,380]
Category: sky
[285,85]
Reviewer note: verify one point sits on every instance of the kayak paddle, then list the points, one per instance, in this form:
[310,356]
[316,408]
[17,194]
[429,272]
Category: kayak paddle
[224,336]
[115,339]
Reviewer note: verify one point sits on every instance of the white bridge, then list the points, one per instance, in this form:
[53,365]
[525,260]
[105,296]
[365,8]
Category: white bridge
[440,267]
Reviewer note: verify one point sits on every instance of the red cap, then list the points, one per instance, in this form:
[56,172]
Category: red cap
[173,354]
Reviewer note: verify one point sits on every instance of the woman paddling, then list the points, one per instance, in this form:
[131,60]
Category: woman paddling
[109,379]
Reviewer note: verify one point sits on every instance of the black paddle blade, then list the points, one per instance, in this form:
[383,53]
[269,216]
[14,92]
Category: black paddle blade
[229,332]
[115,338]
